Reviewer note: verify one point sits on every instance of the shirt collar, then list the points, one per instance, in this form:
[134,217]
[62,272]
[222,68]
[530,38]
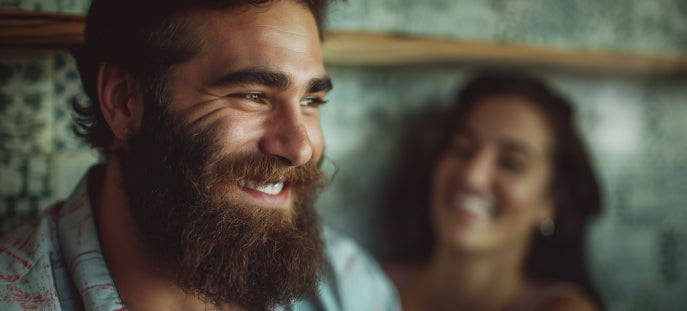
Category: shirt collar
[83,256]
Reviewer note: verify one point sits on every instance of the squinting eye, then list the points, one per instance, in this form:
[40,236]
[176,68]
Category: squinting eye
[252,96]
[513,165]
[313,102]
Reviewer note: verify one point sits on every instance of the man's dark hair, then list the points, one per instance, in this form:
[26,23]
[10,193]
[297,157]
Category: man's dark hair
[145,38]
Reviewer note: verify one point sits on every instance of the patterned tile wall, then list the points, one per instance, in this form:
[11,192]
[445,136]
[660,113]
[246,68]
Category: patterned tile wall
[40,157]
[657,26]
[25,96]
[60,6]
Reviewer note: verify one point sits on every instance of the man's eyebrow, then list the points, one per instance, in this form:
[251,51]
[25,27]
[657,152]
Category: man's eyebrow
[255,76]
[270,78]
[320,85]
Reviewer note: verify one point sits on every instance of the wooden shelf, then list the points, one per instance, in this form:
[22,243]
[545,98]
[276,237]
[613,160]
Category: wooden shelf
[364,49]
[25,29]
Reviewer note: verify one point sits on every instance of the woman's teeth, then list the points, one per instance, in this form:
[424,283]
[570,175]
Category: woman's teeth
[272,188]
[474,205]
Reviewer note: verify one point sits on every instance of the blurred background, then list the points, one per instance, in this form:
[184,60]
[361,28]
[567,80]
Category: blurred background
[622,63]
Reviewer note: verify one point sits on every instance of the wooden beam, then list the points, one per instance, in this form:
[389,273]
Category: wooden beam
[364,49]
[27,29]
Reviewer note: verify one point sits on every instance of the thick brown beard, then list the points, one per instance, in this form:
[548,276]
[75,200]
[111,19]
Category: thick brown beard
[224,252]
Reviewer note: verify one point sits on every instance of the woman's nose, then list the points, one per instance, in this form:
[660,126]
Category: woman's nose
[476,172]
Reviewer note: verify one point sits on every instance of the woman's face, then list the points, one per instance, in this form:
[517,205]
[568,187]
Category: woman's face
[491,185]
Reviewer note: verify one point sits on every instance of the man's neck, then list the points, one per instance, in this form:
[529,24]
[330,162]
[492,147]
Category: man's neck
[143,280]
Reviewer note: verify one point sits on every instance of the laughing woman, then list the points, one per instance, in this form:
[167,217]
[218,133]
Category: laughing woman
[509,193]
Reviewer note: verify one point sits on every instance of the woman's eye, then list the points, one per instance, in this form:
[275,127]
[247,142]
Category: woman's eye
[513,164]
[313,102]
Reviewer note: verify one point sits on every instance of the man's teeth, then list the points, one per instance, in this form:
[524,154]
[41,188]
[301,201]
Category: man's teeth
[272,188]
[474,205]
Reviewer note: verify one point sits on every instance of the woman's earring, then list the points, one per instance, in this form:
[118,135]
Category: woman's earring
[547,227]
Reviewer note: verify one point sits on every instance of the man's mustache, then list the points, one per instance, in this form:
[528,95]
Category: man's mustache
[262,169]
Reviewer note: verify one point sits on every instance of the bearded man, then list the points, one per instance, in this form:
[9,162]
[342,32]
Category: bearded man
[207,114]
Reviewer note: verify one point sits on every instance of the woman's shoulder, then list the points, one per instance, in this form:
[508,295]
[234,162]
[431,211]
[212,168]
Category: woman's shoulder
[577,302]
[400,272]
[553,296]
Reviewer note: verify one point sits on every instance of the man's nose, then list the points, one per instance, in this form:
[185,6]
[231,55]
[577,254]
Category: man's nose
[287,137]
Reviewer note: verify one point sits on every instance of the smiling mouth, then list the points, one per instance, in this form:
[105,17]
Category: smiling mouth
[473,205]
[274,194]
[270,188]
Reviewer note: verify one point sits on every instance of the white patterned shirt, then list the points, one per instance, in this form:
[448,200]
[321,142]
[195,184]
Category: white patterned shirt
[55,263]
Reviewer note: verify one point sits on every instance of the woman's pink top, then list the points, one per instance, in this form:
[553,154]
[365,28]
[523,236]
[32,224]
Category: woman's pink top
[535,295]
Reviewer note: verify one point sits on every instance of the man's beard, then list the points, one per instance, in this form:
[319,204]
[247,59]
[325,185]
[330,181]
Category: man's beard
[222,250]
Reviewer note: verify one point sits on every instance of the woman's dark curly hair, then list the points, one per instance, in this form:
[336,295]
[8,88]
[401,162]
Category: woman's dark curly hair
[145,38]
[574,186]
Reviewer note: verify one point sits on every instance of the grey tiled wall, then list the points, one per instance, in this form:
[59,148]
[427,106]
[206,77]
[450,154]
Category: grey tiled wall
[656,26]
[61,6]
[40,158]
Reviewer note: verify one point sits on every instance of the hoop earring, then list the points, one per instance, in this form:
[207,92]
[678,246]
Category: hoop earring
[547,227]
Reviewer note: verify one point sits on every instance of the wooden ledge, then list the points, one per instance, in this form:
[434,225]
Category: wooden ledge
[26,29]
[364,49]
[35,30]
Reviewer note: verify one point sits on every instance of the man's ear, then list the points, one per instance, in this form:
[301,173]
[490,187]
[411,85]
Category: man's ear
[120,101]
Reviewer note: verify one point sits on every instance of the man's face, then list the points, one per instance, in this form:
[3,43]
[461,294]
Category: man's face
[222,178]
[256,84]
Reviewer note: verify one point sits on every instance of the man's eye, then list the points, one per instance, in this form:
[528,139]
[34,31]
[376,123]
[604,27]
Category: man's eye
[253,97]
[313,102]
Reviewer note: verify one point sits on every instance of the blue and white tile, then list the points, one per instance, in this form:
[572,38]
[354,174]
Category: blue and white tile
[24,189]
[67,87]
[56,6]
[68,169]
[25,104]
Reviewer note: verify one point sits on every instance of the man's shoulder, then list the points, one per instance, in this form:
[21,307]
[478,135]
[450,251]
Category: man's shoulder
[339,246]
[27,254]
[23,245]
[355,281]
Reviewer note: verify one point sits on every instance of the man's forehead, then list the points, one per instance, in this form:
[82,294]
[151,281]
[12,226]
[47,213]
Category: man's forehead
[254,45]
[292,40]
[280,37]
[289,25]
